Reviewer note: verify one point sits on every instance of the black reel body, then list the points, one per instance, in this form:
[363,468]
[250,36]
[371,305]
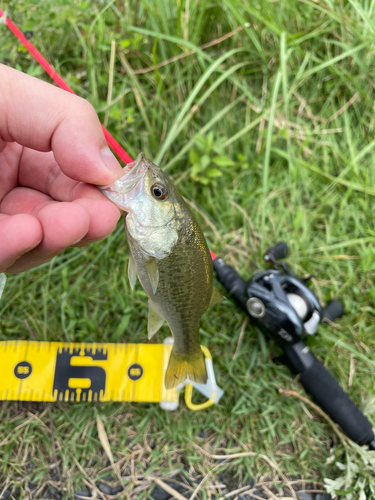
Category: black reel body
[283,306]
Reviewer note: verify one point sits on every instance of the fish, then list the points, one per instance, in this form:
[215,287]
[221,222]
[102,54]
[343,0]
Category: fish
[170,256]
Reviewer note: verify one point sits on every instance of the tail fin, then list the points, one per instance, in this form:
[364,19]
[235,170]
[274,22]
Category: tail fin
[180,366]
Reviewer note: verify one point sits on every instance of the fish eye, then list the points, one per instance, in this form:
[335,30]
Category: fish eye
[159,192]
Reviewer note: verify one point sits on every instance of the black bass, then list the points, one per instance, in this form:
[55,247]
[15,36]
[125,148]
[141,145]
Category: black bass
[171,258]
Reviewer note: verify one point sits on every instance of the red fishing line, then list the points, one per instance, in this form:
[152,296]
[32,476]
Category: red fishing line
[122,154]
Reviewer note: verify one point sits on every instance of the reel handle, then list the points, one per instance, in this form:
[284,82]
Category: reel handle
[333,310]
[277,252]
[320,384]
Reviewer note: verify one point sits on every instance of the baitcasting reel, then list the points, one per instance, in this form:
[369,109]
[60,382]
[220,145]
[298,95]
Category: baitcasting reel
[281,305]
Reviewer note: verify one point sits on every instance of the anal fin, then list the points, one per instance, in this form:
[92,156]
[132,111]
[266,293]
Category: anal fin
[155,321]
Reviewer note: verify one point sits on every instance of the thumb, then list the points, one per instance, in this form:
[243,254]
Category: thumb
[40,116]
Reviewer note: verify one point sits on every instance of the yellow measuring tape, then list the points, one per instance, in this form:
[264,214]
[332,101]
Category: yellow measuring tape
[76,372]
[58,371]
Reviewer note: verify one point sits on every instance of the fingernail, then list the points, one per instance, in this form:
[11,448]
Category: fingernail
[110,161]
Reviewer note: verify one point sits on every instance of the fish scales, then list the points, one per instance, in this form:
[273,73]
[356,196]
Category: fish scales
[185,283]
[170,256]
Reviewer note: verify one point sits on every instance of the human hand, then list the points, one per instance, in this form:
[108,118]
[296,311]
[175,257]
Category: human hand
[52,153]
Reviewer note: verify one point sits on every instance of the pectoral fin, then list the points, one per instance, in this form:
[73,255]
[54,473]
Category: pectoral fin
[155,321]
[153,273]
[216,297]
[132,273]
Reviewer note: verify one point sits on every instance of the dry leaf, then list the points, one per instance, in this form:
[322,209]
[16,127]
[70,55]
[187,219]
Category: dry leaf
[104,439]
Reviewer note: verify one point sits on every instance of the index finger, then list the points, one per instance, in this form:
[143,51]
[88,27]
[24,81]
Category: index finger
[40,116]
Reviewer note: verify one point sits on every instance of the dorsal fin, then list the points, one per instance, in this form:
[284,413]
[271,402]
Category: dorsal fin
[216,297]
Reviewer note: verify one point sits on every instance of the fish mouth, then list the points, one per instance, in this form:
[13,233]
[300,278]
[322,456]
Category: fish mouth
[133,175]
[134,172]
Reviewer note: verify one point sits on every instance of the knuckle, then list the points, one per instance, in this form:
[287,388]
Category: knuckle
[86,108]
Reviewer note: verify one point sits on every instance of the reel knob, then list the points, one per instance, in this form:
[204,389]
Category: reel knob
[277,252]
[333,310]
[255,307]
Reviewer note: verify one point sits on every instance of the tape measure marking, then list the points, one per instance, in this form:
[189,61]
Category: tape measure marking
[22,379]
[57,371]
[68,368]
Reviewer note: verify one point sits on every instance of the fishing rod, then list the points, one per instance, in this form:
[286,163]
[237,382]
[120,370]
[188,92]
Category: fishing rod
[281,305]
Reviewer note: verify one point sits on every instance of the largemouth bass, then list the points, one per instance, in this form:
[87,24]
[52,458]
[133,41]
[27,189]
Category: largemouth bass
[169,254]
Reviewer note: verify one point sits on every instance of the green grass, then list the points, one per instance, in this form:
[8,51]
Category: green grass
[290,99]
